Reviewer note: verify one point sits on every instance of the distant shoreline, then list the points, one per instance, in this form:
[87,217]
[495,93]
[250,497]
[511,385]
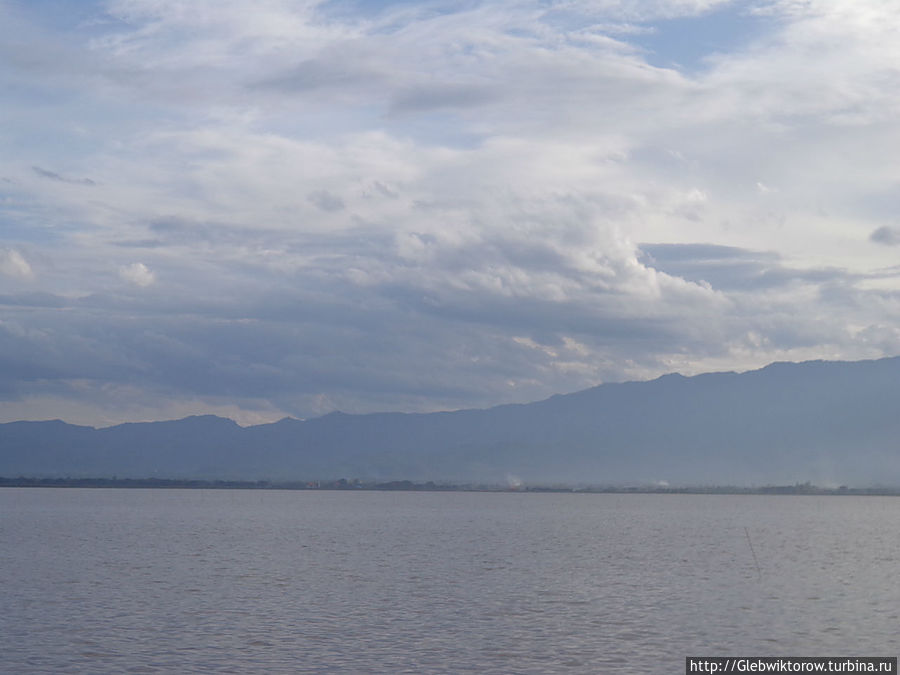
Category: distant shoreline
[430,486]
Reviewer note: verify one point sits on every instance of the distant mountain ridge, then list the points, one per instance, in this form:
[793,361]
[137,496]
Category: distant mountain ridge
[827,422]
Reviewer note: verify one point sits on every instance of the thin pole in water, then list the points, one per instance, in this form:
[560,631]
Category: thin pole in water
[755,561]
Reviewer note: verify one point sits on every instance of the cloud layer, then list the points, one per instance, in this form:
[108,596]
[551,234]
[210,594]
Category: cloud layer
[303,206]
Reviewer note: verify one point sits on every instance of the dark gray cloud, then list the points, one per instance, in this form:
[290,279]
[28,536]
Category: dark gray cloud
[734,269]
[139,243]
[326,201]
[384,190]
[693,252]
[407,337]
[440,96]
[35,299]
[177,231]
[889,236]
[319,74]
[52,175]
[406,340]
[279,348]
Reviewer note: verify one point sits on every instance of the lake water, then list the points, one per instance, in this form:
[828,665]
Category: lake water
[175,581]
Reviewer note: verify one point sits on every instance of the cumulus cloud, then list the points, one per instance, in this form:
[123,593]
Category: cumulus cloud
[138,274]
[13,264]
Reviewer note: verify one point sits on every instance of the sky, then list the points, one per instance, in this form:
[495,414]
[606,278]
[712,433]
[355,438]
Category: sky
[270,208]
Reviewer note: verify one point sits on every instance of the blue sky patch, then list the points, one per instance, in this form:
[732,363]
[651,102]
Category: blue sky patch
[686,43]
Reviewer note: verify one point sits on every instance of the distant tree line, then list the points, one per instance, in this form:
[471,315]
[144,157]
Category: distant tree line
[431,486]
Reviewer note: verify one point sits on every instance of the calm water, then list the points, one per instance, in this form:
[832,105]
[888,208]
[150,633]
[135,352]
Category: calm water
[147,581]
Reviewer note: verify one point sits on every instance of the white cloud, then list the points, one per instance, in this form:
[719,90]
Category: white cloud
[13,264]
[138,274]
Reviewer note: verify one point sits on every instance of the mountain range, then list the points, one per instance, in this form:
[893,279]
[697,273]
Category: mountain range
[829,423]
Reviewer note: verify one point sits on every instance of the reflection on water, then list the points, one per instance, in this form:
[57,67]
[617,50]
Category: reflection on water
[147,581]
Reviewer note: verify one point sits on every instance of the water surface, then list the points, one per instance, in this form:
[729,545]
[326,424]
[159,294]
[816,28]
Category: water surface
[144,581]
